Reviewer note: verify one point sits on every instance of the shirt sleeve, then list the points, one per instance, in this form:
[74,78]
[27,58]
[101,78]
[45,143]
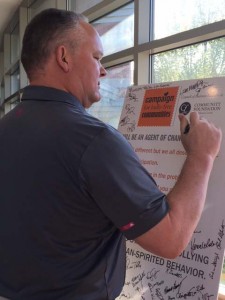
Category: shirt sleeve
[120,185]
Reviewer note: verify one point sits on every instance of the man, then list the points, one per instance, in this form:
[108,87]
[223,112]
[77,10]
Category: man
[71,186]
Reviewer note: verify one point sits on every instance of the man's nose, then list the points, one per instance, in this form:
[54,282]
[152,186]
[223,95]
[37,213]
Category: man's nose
[103,72]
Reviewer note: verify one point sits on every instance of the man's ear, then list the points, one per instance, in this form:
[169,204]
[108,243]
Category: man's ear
[62,57]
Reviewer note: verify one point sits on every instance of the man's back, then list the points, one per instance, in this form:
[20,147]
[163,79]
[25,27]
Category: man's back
[47,247]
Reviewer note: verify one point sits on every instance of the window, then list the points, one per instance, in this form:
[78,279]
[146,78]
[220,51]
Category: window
[81,5]
[222,281]
[171,17]
[14,44]
[117,29]
[201,61]
[113,88]
[15,81]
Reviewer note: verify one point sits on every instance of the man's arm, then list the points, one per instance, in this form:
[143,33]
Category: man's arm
[187,198]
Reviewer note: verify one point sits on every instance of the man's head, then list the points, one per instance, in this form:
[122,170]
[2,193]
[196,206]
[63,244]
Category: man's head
[60,49]
[43,34]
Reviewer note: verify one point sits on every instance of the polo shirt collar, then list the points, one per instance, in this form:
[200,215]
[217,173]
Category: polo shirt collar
[43,93]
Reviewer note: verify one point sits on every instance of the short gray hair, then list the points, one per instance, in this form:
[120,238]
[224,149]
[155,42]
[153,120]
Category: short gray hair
[44,33]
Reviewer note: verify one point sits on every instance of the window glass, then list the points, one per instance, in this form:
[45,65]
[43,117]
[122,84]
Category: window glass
[14,44]
[15,81]
[223,276]
[117,29]
[222,280]
[81,5]
[196,61]
[174,16]
[113,89]
[37,6]
[2,92]
[14,102]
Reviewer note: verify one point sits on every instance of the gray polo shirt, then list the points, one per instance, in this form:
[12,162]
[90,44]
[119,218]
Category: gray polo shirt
[71,190]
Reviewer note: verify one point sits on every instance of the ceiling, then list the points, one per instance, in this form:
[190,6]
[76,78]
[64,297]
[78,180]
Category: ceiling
[7,10]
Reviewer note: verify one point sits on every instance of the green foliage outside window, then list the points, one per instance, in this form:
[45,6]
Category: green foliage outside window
[197,61]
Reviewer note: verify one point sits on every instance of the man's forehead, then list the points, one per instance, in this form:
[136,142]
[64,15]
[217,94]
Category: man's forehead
[92,34]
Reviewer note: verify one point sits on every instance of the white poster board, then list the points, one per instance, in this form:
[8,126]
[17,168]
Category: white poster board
[149,120]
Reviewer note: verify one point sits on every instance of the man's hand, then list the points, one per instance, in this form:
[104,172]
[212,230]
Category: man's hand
[202,139]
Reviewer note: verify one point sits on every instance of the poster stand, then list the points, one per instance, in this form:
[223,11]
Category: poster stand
[149,121]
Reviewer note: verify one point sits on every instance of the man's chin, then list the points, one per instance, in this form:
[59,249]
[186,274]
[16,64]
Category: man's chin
[92,101]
